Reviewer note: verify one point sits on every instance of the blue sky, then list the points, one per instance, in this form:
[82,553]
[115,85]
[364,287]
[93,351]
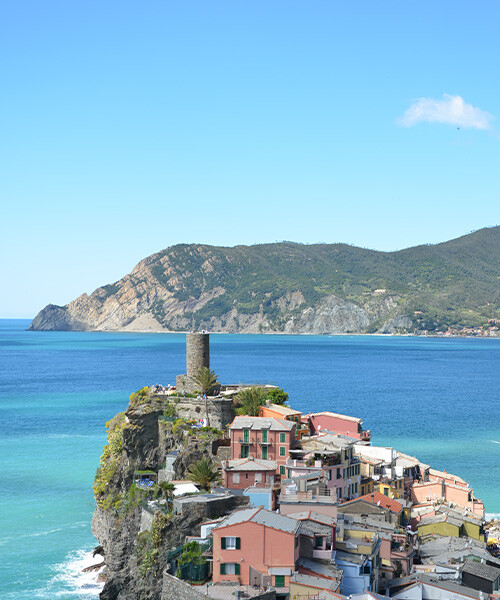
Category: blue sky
[127,127]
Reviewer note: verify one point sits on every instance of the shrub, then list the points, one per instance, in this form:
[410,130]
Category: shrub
[160,523]
[140,397]
[277,396]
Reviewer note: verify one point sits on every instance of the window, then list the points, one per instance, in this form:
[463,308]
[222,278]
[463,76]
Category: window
[279,581]
[229,569]
[338,473]
[282,438]
[282,451]
[264,452]
[282,469]
[318,541]
[246,436]
[258,477]
[245,451]
[264,435]
[230,543]
[236,477]
[386,491]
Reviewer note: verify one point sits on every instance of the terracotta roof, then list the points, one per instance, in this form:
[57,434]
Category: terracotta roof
[380,500]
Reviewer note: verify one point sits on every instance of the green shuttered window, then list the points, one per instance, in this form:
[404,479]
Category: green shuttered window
[230,543]
[229,569]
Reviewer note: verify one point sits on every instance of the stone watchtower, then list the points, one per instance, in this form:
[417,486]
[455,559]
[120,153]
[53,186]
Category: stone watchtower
[197,356]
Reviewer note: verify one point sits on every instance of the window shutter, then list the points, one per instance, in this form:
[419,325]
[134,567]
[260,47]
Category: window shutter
[238,544]
[223,543]
[223,568]
[237,566]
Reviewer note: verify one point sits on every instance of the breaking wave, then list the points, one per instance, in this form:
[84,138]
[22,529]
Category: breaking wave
[70,581]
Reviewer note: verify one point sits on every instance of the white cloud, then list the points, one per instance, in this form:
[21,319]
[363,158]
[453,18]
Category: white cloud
[451,109]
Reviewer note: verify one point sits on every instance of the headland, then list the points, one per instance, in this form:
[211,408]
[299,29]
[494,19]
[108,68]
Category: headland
[209,490]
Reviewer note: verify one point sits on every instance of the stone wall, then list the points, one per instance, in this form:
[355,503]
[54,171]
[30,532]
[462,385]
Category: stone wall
[147,517]
[212,509]
[220,410]
[180,590]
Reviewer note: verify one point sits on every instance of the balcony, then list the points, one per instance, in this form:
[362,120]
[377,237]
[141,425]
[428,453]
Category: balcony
[246,442]
[366,435]
[264,442]
[322,553]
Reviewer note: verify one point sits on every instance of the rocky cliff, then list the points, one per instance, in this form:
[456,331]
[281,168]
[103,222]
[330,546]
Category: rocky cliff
[295,288]
[139,440]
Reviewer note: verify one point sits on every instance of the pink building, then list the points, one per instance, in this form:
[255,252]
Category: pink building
[333,456]
[244,472]
[336,423]
[262,438]
[447,487]
[256,547]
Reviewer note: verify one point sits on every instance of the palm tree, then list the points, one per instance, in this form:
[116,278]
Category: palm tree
[168,489]
[207,380]
[250,400]
[203,473]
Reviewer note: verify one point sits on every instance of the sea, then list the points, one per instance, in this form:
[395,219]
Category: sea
[434,398]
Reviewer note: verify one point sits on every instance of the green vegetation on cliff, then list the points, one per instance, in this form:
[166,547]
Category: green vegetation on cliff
[271,287]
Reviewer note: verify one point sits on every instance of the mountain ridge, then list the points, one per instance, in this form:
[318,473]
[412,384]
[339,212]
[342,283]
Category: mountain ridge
[288,287]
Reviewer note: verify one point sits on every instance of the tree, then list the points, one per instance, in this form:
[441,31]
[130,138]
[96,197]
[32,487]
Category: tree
[277,396]
[203,473]
[249,401]
[167,489]
[207,380]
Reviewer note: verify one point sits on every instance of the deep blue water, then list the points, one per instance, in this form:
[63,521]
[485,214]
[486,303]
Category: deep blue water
[436,398]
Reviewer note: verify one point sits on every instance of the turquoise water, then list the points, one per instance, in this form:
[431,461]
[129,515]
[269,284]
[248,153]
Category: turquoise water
[436,398]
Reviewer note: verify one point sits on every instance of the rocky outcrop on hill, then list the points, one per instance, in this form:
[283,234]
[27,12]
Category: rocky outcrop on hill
[295,288]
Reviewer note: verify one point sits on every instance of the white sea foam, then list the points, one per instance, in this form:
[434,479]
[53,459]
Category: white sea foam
[491,516]
[495,441]
[70,580]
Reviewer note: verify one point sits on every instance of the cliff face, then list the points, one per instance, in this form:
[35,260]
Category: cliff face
[295,288]
[135,556]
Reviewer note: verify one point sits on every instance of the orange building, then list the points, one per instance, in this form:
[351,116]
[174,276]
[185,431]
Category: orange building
[256,547]
[278,411]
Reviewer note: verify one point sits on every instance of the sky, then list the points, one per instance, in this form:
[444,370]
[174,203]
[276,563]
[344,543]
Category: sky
[126,127]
